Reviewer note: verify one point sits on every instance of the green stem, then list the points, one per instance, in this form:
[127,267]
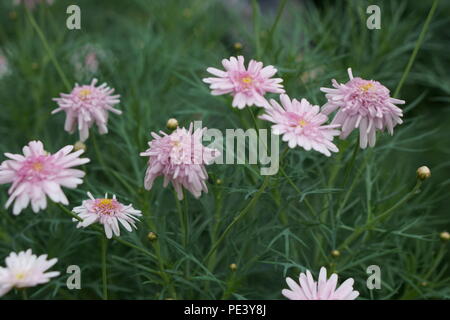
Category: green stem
[239,217]
[358,231]
[351,163]
[417,47]
[24,294]
[256,27]
[103,246]
[48,49]
[275,23]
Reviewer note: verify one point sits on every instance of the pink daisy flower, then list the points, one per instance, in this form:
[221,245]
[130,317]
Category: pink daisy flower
[25,269]
[363,104]
[324,289]
[247,86]
[85,105]
[180,157]
[108,212]
[301,124]
[30,4]
[37,174]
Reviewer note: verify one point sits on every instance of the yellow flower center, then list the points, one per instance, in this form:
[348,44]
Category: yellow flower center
[37,166]
[302,123]
[20,276]
[247,80]
[84,93]
[366,86]
[106,205]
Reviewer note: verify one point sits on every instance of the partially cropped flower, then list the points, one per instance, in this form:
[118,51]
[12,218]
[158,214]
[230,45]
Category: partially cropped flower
[180,157]
[324,289]
[30,4]
[37,174]
[247,86]
[25,269]
[301,124]
[85,105]
[108,212]
[363,104]
[86,60]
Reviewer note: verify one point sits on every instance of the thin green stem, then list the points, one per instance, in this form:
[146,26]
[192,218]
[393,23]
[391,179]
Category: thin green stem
[280,10]
[416,48]
[48,49]
[103,245]
[24,294]
[256,27]
[351,164]
[239,217]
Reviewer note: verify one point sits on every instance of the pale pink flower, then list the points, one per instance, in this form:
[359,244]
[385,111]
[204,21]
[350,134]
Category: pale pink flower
[37,174]
[324,289]
[180,157]
[363,104]
[25,269]
[108,212]
[30,4]
[301,124]
[247,86]
[85,105]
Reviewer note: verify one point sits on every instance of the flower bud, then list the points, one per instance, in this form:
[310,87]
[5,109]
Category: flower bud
[172,124]
[335,253]
[79,146]
[237,45]
[445,236]
[152,236]
[233,267]
[423,173]
[219,181]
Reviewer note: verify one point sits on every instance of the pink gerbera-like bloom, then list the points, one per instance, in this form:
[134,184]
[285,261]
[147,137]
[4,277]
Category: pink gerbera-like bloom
[37,174]
[30,4]
[247,86]
[180,157]
[363,104]
[85,105]
[301,124]
[25,269]
[108,212]
[324,289]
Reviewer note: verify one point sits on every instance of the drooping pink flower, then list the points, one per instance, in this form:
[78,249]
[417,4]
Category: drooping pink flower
[30,4]
[25,269]
[324,289]
[181,158]
[247,86]
[363,104]
[85,105]
[301,124]
[108,212]
[37,174]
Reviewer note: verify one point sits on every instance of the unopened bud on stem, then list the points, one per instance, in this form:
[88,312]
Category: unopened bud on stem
[423,173]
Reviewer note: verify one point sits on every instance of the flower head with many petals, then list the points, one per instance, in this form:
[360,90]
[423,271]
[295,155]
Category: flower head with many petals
[363,104]
[247,86]
[180,157]
[108,212]
[324,289]
[25,269]
[87,105]
[36,174]
[301,124]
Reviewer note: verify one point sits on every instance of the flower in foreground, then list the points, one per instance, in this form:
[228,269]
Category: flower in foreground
[324,289]
[301,124]
[25,269]
[86,105]
[180,157]
[108,212]
[363,104]
[247,85]
[37,174]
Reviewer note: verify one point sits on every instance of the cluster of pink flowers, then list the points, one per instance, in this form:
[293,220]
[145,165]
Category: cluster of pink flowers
[181,158]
